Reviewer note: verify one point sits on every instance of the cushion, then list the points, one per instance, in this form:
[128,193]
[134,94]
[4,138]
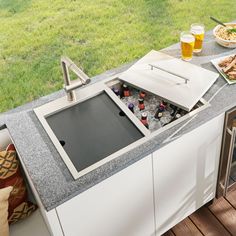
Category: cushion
[4,195]
[10,175]
[5,139]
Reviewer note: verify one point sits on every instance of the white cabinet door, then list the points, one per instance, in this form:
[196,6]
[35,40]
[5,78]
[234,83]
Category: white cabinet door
[185,173]
[121,205]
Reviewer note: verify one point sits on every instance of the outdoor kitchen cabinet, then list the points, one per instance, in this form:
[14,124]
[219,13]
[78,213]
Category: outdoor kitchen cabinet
[149,196]
[185,173]
[119,205]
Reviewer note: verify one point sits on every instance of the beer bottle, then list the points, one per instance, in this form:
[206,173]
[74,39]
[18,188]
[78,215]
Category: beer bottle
[142,94]
[141,104]
[126,90]
[158,114]
[162,105]
[144,119]
[131,107]
[116,91]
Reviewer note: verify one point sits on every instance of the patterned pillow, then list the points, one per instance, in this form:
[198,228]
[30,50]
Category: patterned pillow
[4,195]
[10,175]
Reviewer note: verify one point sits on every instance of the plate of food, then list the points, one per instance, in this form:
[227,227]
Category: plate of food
[227,67]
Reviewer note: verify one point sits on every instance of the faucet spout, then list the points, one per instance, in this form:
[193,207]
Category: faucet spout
[69,86]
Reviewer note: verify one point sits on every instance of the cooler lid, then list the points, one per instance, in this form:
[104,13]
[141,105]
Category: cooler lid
[172,79]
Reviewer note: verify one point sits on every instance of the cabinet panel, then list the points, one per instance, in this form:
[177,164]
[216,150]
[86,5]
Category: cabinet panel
[120,205]
[185,173]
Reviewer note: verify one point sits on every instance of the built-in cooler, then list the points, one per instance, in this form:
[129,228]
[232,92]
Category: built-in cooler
[159,112]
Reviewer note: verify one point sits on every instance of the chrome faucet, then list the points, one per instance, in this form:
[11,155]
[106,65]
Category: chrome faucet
[69,85]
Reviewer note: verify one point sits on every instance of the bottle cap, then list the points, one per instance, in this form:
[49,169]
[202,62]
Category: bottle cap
[161,107]
[131,105]
[116,91]
[177,116]
[144,114]
[142,94]
[140,100]
[164,103]
[159,115]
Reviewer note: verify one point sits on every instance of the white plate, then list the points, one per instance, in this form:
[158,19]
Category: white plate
[216,61]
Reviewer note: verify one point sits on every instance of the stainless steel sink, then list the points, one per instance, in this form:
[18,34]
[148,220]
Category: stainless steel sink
[91,131]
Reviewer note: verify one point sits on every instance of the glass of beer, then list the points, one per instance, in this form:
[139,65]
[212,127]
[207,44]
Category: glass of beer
[198,32]
[187,44]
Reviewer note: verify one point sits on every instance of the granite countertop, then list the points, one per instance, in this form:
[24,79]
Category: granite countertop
[48,172]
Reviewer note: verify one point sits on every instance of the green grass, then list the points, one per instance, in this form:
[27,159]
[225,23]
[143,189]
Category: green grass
[97,34]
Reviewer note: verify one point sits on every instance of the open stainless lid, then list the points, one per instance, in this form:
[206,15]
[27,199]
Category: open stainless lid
[172,79]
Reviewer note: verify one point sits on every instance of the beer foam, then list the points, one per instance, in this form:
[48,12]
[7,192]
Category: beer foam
[187,38]
[197,29]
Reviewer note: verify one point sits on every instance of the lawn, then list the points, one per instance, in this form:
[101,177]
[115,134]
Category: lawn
[97,34]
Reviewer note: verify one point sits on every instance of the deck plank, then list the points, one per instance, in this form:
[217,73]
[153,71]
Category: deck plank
[186,227]
[225,213]
[218,219]
[207,223]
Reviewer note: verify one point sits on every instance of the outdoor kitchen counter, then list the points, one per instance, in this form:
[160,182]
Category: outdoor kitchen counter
[47,170]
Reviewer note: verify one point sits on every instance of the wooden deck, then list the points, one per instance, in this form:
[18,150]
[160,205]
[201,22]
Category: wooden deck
[218,219]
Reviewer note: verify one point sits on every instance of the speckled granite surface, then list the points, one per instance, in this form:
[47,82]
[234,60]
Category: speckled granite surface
[48,172]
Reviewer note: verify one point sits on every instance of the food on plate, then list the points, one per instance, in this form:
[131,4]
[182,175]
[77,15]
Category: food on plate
[227,33]
[228,66]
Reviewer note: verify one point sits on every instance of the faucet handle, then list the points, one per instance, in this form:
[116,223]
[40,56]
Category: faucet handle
[67,64]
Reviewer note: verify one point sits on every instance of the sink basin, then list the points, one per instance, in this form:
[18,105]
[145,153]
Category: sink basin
[92,130]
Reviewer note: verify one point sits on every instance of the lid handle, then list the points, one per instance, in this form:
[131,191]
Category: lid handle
[170,72]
